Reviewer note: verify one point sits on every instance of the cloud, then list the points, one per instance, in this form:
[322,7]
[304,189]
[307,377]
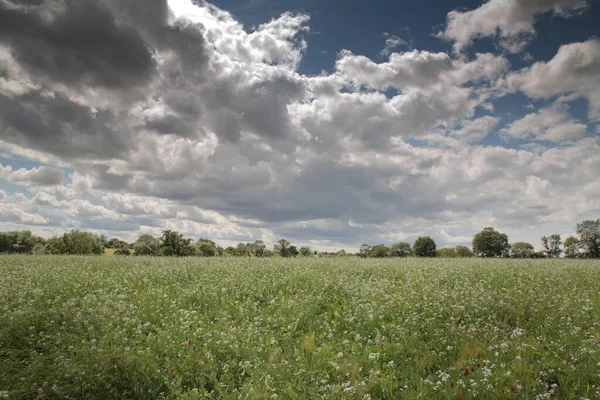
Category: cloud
[553,123]
[39,176]
[512,21]
[392,42]
[477,129]
[218,134]
[574,69]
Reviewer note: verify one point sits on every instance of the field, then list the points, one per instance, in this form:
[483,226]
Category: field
[343,328]
[110,252]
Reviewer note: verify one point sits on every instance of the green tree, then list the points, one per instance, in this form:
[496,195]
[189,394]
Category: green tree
[258,248]
[19,242]
[305,251]
[424,246]
[206,248]
[463,251]
[285,249]
[447,252]
[400,249]
[551,245]
[491,243]
[379,251]
[122,252]
[589,237]
[83,243]
[364,251]
[147,245]
[175,245]
[573,248]
[522,250]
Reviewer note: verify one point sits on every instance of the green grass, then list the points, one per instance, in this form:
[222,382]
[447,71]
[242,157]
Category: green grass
[143,328]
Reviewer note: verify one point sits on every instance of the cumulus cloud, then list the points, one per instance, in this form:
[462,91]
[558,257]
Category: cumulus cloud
[511,20]
[210,129]
[477,129]
[552,123]
[575,69]
[39,176]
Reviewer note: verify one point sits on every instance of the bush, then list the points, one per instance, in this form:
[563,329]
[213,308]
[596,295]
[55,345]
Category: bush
[122,252]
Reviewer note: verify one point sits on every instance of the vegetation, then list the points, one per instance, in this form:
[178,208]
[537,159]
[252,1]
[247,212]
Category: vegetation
[338,328]
[424,247]
[491,243]
[488,243]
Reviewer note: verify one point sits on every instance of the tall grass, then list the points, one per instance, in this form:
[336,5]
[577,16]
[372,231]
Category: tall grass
[142,328]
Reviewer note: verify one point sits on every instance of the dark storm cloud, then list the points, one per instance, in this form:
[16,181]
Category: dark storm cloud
[78,43]
[59,126]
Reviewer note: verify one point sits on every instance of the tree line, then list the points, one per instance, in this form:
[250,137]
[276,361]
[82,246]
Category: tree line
[487,243]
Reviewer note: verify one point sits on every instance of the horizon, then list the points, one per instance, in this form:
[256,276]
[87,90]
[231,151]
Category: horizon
[330,125]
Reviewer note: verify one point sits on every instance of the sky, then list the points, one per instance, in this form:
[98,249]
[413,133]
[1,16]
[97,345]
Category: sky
[328,123]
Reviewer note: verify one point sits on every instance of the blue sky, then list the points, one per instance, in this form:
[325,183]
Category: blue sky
[330,123]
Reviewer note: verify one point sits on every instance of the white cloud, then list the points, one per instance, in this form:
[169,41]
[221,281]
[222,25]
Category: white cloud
[553,123]
[512,20]
[38,176]
[244,147]
[574,69]
[477,129]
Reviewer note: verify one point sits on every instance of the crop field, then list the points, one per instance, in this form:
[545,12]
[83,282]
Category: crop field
[339,328]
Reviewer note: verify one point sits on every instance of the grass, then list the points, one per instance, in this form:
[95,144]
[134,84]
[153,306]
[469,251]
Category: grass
[142,328]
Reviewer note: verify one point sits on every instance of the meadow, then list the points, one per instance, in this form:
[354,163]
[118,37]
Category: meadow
[334,328]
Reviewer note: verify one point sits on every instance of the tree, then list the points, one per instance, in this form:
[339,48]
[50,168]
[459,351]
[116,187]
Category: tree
[242,250]
[589,237]
[122,252]
[522,250]
[463,251]
[424,247]
[491,243]
[205,248]
[305,251]
[379,251]
[82,243]
[364,251]
[341,253]
[400,249]
[447,252]
[174,244]
[293,251]
[258,248]
[285,249]
[551,246]
[146,245]
[19,242]
[573,248]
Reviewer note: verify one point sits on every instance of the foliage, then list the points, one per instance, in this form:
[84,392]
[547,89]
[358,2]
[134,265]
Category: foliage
[332,328]
[206,248]
[573,248]
[305,251]
[447,252]
[424,247]
[552,246]
[491,243]
[175,245]
[122,252]
[82,243]
[22,242]
[147,245]
[379,251]
[400,249]
[522,250]
[589,238]
[285,249]
[463,251]
[364,251]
